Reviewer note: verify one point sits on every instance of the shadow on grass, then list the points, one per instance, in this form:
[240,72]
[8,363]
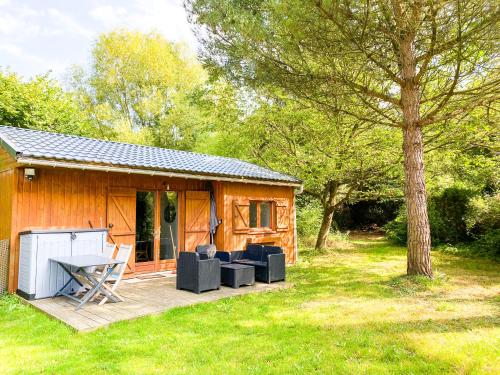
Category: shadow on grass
[255,333]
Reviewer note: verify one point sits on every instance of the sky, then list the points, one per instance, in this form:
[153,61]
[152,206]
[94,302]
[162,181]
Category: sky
[51,35]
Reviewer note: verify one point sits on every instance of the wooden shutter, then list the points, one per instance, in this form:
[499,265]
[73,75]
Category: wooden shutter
[197,219]
[241,216]
[282,215]
[121,220]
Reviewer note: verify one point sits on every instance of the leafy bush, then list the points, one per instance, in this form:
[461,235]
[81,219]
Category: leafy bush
[446,218]
[396,230]
[447,215]
[309,218]
[457,217]
[487,245]
[483,214]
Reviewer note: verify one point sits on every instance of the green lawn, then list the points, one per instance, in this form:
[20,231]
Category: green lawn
[350,311]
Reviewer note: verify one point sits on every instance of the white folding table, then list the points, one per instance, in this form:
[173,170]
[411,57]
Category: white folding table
[77,268]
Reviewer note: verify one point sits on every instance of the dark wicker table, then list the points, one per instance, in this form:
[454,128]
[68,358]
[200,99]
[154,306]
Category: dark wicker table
[236,275]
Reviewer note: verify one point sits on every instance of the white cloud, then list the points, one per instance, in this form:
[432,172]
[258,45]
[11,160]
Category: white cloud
[19,22]
[68,24]
[36,36]
[40,62]
[166,17]
[108,14]
[11,49]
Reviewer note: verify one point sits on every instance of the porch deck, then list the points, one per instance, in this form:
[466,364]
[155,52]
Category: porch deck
[142,297]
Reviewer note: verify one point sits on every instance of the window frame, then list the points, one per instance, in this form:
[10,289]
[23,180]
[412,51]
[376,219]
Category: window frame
[272,215]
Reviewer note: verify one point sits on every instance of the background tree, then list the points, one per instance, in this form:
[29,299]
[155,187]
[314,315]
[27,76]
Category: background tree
[142,88]
[41,104]
[413,64]
[337,163]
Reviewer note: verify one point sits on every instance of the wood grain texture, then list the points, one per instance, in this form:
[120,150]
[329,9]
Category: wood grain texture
[197,220]
[237,236]
[62,198]
[121,220]
[142,298]
[7,197]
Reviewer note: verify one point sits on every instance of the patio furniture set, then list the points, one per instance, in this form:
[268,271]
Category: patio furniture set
[207,269]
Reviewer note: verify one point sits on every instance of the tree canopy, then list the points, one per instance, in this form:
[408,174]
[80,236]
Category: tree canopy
[41,104]
[398,64]
[142,88]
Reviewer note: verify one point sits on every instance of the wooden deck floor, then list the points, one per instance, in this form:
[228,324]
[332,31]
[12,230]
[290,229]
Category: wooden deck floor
[142,297]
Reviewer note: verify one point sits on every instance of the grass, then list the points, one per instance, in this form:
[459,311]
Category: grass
[351,310]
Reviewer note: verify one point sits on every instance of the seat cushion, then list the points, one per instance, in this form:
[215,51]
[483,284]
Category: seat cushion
[208,250]
[249,262]
[254,252]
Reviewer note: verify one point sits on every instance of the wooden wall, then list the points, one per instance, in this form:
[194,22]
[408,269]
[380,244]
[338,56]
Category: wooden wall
[233,192]
[7,163]
[65,198]
[7,197]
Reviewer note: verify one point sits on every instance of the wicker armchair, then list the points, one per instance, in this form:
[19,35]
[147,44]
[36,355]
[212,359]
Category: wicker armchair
[195,274]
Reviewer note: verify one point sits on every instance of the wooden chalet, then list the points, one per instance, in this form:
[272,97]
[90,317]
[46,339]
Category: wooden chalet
[160,200]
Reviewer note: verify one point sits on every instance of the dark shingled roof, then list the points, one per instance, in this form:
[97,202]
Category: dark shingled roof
[45,145]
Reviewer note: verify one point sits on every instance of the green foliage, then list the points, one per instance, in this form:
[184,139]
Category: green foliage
[324,152]
[488,244]
[485,246]
[483,214]
[41,104]
[461,223]
[142,89]
[396,230]
[483,224]
[465,161]
[446,217]
[309,217]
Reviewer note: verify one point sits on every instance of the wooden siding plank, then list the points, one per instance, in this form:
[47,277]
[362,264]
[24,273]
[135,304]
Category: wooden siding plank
[64,198]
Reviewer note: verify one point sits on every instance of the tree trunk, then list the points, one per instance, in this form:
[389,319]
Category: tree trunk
[419,239]
[324,230]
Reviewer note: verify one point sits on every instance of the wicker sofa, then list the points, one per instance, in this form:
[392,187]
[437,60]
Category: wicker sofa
[269,261]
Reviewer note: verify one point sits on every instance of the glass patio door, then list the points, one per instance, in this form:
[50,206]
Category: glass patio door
[169,220]
[156,235]
[145,227]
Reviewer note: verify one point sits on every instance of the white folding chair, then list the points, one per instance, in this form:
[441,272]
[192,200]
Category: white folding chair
[108,252]
[115,278]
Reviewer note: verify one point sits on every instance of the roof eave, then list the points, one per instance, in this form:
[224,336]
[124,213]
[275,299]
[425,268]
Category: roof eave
[33,161]
[8,146]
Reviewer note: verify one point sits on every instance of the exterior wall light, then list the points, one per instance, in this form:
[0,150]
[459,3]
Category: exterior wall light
[29,173]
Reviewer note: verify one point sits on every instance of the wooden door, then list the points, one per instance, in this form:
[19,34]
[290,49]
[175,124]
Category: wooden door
[197,225]
[121,220]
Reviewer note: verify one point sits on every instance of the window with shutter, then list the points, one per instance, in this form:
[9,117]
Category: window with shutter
[282,215]
[241,216]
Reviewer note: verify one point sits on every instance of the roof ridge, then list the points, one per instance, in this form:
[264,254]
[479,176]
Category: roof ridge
[44,144]
[122,143]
